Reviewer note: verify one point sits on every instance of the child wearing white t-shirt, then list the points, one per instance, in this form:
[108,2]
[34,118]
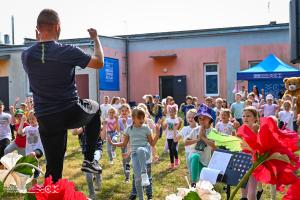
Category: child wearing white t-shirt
[269,109]
[171,126]
[286,116]
[225,126]
[185,131]
[34,145]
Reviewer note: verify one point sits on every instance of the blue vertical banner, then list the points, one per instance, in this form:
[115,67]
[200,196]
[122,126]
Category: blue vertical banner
[109,75]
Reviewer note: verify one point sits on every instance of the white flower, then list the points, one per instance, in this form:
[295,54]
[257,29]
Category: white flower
[15,178]
[204,189]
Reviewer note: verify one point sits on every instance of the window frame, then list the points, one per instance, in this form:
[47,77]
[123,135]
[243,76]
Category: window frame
[251,62]
[211,73]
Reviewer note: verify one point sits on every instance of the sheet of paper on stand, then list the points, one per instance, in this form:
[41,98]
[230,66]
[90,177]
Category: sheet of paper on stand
[210,175]
[219,161]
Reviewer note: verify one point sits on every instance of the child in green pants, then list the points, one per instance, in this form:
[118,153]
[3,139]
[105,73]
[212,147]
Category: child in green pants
[201,147]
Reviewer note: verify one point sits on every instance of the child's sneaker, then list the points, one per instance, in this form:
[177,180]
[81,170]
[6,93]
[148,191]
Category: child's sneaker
[92,167]
[97,187]
[92,197]
[171,166]
[111,162]
[132,197]
[177,162]
[127,168]
[127,180]
[145,179]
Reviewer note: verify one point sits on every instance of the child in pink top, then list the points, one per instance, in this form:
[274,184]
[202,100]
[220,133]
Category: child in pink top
[112,128]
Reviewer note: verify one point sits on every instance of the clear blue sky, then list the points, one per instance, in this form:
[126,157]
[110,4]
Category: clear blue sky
[115,17]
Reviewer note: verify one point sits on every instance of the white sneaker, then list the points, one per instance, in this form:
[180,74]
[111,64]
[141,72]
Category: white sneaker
[111,162]
[145,179]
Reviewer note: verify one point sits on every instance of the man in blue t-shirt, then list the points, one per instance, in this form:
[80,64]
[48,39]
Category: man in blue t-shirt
[50,66]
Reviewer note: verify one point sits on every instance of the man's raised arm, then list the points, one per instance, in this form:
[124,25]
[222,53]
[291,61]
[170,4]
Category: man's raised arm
[97,60]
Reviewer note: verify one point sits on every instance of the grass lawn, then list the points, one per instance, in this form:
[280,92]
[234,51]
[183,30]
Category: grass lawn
[113,185]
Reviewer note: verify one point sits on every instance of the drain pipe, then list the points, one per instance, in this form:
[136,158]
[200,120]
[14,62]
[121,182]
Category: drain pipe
[127,69]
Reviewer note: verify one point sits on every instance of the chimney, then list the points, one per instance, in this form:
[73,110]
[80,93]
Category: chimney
[6,39]
[273,23]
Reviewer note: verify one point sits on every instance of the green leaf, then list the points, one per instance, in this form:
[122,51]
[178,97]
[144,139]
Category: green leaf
[192,196]
[1,188]
[29,196]
[27,170]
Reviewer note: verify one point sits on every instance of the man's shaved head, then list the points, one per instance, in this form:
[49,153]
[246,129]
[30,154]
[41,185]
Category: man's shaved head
[47,17]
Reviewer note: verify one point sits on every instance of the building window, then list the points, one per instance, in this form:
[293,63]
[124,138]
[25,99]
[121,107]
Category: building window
[253,63]
[211,79]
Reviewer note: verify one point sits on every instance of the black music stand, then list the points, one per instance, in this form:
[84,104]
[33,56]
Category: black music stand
[237,167]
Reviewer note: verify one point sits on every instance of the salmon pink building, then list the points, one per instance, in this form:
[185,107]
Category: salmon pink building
[198,62]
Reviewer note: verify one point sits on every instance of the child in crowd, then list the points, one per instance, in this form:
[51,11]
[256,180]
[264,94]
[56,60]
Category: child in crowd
[171,126]
[19,143]
[251,97]
[218,109]
[247,103]
[124,122]
[237,108]
[139,136]
[157,111]
[97,156]
[187,130]
[150,123]
[105,107]
[34,145]
[209,103]
[186,107]
[112,129]
[196,102]
[224,125]
[243,92]
[200,147]
[115,102]
[123,101]
[149,102]
[224,104]
[250,119]
[5,132]
[167,102]
[270,108]
[286,116]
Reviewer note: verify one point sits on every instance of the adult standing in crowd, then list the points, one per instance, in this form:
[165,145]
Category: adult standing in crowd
[50,66]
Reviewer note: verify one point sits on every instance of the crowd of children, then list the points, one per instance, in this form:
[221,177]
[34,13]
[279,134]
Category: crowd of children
[137,129]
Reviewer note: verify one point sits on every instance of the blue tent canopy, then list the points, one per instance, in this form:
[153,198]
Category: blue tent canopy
[270,68]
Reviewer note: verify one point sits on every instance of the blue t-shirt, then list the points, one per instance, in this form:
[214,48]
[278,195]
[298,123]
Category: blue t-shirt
[51,71]
[237,110]
[185,109]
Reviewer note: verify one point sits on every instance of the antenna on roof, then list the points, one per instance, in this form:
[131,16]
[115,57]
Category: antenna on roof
[269,11]
[13,29]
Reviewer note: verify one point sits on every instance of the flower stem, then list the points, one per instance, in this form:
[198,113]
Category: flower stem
[261,159]
[19,165]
